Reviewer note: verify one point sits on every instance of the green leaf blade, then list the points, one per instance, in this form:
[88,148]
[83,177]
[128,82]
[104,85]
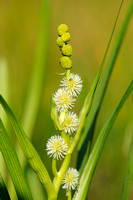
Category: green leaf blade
[4,90]
[29,151]
[35,89]
[87,175]
[3,190]
[128,174]
[91,119]
[38,73]
[13,165]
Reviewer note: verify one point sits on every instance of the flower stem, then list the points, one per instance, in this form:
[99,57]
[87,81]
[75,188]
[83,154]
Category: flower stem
[57,182]
[66,138]
[54,170]
[69,195]
[68,74]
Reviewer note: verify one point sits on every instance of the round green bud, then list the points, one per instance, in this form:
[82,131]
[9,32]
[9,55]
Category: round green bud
[67,50]
[60,42]
[66,62]
[66,37]
[62,28]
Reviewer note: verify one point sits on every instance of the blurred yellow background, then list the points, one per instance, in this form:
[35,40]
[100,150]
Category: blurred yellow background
[90,24]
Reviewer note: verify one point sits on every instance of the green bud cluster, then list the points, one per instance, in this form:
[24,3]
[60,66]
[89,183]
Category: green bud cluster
[65,62]
[66,49]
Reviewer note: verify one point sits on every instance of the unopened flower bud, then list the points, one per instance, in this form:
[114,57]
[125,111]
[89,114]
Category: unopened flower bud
[66,62]
[67,50]
[66,37]
[62,28]
[60,41]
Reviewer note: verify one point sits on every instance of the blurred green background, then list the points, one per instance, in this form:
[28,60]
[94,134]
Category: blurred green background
[90,24]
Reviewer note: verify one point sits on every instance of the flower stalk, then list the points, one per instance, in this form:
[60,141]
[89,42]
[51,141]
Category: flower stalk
[54,169]
[64,120]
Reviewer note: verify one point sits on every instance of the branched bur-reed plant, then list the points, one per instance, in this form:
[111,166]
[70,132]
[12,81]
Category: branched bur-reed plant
[72,130]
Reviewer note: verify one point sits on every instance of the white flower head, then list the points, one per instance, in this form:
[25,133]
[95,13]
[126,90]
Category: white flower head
[70,180]
[73,84]
[63,99]
[56,147]
[70,123]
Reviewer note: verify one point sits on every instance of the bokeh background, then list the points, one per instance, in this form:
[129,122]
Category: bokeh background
[90,24]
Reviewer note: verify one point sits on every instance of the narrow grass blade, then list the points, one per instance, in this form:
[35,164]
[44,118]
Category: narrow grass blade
[35,186]
[4,84]
[85,109]
[30,110]
[92,116]
[35,87]
[3,190]
[38,73]
[87,175]
[4,90]
[128,174]
[29,151]
[13,165]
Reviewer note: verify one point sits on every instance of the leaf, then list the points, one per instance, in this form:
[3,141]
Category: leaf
[96,80]
[4,83]
[38,73]
[128,174]
[13,165]
[87,175]
[3,190]
[88,131]
[36,83]
[35,186]
[35,88]
[4,90]
[29,151]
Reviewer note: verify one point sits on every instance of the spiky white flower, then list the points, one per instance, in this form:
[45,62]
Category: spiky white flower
[70,180]
[70,123]
[63,99]
[73,84]
[56,147]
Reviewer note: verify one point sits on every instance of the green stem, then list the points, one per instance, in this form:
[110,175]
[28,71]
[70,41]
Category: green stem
[68,74]
[66,138]
[54,169]
[69,195]
[62,172]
